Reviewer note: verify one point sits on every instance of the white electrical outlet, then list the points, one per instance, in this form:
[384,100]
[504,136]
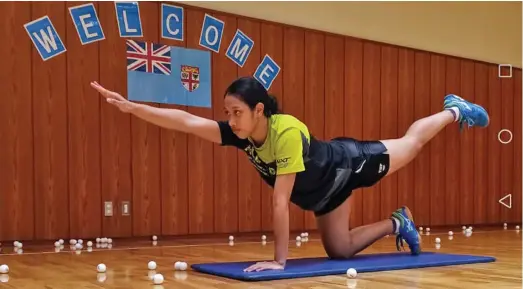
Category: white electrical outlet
[108,209]
[126,208]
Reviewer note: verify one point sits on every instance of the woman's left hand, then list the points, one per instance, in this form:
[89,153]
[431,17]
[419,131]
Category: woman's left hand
[260,266]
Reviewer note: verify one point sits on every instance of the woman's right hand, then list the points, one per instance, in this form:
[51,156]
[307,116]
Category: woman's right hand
[114,98]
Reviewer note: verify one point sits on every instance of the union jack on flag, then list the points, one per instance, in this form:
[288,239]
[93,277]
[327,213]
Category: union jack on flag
[148,57]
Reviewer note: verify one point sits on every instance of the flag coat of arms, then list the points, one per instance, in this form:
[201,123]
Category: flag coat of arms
[168,74]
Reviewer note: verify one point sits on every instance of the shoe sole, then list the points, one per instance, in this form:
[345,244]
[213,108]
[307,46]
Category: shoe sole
[409,214]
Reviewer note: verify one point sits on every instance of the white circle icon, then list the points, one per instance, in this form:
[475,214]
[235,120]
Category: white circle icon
[502,131]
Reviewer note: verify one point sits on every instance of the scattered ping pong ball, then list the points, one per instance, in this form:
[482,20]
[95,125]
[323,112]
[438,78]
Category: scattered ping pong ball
[468,231]
[61,241]
[438,240]
[464,228]
[231,238]
[4,269]
[80,241]
[421,228]
[306,234]
[151,265]
[517,227]
[428,229]
[298,239]
[109,240]
[89,244]
[264,237]
[155,238]
[78,246]
[15,243]
[98,240]
[57,244]
[72,242]
[19,245]
[504,224]
[158,279]
[101,268]
[351,273]
[451,233]
[183,266]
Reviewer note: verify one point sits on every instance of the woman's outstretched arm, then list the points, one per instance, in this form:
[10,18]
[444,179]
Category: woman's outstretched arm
[169,118]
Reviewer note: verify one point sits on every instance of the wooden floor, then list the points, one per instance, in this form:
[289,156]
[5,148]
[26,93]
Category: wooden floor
[39,266]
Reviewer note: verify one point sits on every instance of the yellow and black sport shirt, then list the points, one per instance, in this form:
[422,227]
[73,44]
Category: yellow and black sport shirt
[321,167]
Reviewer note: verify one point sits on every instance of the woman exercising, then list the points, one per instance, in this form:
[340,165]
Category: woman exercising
[316,175]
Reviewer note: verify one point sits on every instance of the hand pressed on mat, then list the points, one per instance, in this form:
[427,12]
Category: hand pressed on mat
[260,266]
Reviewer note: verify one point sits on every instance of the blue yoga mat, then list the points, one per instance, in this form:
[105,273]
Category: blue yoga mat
[310,267]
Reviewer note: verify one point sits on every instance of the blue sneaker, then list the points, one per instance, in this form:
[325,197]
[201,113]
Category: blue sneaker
[407,231]
[472,114]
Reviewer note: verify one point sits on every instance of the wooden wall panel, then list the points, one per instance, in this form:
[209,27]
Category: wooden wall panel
[145,140]
[481,153]
[452,148]
[421,162]
[467,154]
[116,177]
[173,161]
[515,212]
[293,94]
[406,74]
[200,152]
[224,71]
[494,147]
[16,125]
[389,127]
[249,181]
[70,151]
[353,116]
[85,198]
[51,215]
[507,150]
[371,121]
[271,44]
[438,158]
[314,98]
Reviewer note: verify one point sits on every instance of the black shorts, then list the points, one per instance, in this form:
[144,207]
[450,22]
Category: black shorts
[370,163]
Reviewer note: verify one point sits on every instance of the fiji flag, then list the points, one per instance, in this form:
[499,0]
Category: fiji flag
[168,74]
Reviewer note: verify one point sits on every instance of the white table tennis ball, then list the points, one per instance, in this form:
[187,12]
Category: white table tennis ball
[57,244]
[158,279]
[15,244]
[98,240]
[78,246]
[89,244]
[352,273]
[151,265]
[80,241]
[19,245]
[438,240]
[517,227]
[298,239]
[504,224]
[183,266]
[109,241]
[61,241]
[264,238]
[72,242]
[428,230]
[231,238]
[4,269]
[468,230]
[155,238]
[451,233]
[421,228]
[104,240]
[451,237]
[464,228]
[470,227]
[101,268]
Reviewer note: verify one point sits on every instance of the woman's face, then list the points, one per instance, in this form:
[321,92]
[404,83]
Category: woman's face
[242,119]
